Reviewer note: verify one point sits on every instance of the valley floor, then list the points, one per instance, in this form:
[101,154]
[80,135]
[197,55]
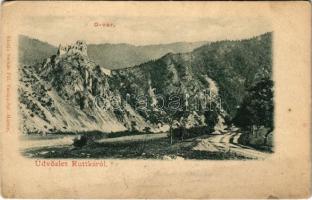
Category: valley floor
[147,146]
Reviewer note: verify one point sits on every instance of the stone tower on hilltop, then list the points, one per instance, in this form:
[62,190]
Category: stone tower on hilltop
[80,47]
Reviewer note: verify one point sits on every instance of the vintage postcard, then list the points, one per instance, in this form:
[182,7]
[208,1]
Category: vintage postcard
[155,99]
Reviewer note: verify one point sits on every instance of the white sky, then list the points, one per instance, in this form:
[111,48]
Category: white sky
[141,30]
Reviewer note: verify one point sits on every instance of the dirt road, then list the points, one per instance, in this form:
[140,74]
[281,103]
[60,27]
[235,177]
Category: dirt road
[228,142]
[203,147]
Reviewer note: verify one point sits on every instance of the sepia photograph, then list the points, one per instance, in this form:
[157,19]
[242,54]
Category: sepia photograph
[203,95]
[155,100]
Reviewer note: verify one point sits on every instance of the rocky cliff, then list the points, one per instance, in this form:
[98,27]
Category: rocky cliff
[70,92]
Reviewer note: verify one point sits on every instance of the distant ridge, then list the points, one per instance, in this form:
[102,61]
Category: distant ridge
[117,56]
[109,56]
[34,51]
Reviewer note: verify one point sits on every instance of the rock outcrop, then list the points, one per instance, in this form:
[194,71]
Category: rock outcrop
[69,92]
[80,47]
